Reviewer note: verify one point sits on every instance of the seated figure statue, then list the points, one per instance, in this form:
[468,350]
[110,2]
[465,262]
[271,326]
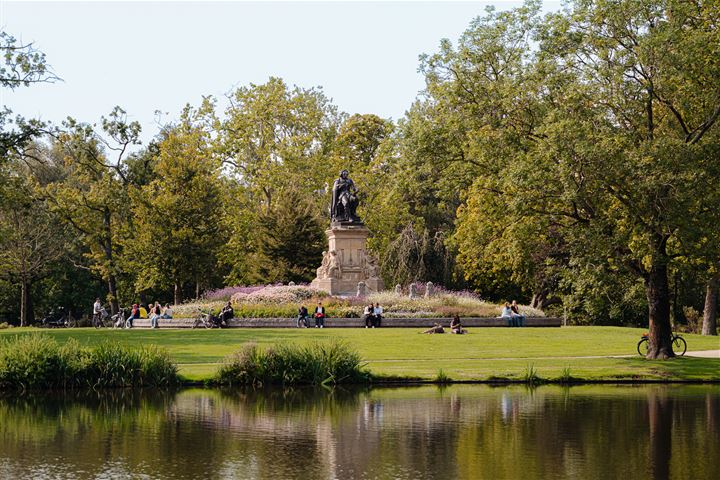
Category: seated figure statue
[344,200]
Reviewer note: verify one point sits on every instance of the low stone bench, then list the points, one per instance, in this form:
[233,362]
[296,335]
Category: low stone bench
[421,323]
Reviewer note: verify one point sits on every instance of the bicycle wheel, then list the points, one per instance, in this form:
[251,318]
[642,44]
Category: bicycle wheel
[679,345]
[197,322]
[643,346]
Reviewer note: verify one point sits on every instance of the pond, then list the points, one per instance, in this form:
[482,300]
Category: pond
[429,432]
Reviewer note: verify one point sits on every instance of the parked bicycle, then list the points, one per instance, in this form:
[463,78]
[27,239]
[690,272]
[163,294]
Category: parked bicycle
[58,318]
[207,320]
[118,320]
[679,345]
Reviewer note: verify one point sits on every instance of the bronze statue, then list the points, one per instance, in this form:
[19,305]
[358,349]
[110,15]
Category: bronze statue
[344,200]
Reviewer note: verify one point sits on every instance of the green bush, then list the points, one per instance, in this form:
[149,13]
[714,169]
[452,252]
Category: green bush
[37,361]
[313,364]
[4,325]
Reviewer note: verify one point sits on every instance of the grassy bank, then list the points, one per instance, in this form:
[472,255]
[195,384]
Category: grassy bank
[485,354]
[39,362]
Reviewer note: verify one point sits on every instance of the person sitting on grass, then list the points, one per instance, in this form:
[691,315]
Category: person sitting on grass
[507,313]
[437,328]
[369,316]
[226,314]
[319,316]
[456,326]
[302,319]
[517,316]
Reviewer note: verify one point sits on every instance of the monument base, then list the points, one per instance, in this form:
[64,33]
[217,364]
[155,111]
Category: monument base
[347,262]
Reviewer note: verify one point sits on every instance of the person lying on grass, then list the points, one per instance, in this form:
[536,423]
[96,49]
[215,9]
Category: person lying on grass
[437,328]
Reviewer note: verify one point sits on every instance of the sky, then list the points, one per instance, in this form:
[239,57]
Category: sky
[158,56]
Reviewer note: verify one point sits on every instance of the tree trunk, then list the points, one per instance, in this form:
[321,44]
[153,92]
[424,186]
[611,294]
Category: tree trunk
[107,248]
[541,301]
[27,314]
[197,290]
[709,326]
[112,288]
[178,294]
[658,296]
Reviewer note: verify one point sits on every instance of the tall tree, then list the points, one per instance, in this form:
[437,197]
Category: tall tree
[178,226]
[31,239]
[276,137]
[606,128]
[290,241]
[93,197]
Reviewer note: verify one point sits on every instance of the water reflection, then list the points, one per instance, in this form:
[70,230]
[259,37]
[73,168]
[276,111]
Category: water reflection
[455,432]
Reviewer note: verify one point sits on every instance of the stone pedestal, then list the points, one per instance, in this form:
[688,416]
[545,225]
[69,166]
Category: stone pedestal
[346,262]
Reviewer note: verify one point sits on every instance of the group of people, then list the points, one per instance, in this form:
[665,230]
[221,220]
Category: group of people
[372,315]
[455,327]
[303,319]
[155,311]
[511,312]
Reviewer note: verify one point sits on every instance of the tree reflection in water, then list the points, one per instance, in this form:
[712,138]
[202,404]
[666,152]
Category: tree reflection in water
[425,432]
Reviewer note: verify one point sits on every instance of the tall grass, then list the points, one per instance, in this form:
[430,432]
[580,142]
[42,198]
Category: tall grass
[313,364]
[37,361]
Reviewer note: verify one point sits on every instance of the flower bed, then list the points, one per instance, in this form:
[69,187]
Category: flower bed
[277,301]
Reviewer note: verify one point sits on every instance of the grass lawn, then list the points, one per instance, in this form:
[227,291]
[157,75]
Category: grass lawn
[484,354]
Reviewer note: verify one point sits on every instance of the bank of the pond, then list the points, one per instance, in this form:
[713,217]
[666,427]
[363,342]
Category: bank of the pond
[588,354]
[39,362]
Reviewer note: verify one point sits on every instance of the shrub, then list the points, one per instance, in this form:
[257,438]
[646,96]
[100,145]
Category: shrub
[37,361]
[4,325]
[290,364]
[694,320]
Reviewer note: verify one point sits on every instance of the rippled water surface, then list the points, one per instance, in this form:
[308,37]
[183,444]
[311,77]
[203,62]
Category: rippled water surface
[471,432]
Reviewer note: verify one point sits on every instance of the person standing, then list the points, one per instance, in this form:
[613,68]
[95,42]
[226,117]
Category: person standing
[97,312]
[319,316]
[517,316]
[377,313]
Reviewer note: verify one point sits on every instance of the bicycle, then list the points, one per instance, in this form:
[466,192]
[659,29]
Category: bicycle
[679,345]
[101,319]
[207,320]
[118,320]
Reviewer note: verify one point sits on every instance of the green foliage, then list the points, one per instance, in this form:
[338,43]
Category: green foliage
[289,240]
[442,377]
[287,364]
[531,377]
[178,230]
[34,362]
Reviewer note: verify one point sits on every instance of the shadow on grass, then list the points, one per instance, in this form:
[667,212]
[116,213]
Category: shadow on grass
[679,368]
